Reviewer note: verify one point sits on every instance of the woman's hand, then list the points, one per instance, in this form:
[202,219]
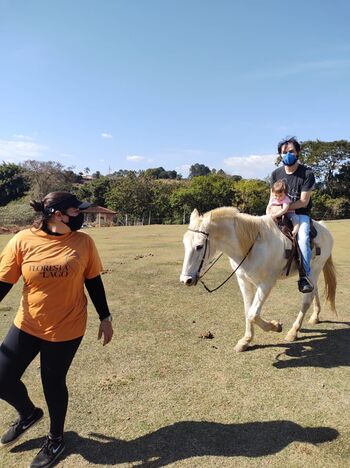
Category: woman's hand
[106,329]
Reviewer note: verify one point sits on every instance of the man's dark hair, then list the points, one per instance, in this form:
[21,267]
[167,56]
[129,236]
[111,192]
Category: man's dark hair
[286,141]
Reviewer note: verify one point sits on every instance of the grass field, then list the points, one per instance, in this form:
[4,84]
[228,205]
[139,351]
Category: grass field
[160,395]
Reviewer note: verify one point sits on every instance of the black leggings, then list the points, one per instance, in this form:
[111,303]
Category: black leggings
[17,351]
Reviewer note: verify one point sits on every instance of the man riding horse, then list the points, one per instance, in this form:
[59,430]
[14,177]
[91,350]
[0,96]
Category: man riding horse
[300,181]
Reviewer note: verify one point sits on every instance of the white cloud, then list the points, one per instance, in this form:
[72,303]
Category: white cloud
[135,158]
[19,136]
[255,166]
[106,135]
[19,150]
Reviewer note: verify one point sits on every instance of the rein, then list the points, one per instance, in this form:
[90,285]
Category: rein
[206,234]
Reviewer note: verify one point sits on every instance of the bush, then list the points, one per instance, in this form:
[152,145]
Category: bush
[17,213]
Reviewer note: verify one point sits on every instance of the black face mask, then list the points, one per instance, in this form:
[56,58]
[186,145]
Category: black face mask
[75,222]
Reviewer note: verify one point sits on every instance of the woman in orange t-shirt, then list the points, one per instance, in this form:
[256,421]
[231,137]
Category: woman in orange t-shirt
[55,262]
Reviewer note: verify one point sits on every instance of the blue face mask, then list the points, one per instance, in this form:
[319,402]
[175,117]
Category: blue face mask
[289,159]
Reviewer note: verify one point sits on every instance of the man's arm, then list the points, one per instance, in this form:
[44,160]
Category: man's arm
[303,202]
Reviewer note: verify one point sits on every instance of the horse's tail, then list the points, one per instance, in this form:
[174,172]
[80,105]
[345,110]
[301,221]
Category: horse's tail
[330,280]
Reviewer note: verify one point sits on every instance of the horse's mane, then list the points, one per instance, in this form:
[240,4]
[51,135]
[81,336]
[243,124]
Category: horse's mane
[247,227]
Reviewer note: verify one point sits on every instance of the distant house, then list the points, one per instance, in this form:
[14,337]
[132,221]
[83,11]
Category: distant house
[86,178]
[99,216]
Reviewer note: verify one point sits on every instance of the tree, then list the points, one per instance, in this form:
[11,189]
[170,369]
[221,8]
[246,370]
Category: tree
[203,193]
[95,191]
[13,183]
[161,210]
[251,196]
[342,181]
[236,178]
[160,173]
[121,173]
[326,159]
[131,195]
[197,170]
[96,175]
[48,176]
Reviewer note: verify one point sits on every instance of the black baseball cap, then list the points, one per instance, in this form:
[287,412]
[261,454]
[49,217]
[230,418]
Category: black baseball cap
[67,200]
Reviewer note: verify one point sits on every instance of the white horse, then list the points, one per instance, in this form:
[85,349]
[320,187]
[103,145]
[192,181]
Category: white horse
[258,238]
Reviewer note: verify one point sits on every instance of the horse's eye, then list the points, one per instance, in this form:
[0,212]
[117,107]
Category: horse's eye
[199,247]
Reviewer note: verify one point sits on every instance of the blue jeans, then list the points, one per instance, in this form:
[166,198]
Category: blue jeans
[293,217]
[304,241]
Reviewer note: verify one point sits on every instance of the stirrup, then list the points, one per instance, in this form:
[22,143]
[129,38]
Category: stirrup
[305,285]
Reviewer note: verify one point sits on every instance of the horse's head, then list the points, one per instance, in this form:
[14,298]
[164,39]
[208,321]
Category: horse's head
[197,248]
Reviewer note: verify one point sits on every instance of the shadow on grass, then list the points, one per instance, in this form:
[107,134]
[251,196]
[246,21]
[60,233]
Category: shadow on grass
[323,348]
[187,439]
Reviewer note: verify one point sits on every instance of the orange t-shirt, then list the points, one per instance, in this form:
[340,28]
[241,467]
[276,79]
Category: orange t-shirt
[54,268]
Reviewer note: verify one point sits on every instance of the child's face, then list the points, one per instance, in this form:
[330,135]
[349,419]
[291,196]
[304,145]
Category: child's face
[279,196]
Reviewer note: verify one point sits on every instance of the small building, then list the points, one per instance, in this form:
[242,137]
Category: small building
[99,216]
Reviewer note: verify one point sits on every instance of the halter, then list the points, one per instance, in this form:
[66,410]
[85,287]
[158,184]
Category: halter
[206,234]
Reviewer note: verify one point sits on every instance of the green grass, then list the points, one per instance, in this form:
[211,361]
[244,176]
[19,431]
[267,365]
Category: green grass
[160,395]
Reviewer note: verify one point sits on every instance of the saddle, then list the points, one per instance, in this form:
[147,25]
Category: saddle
[294,254]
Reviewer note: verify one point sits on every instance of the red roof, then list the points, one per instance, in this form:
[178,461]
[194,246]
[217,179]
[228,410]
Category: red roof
[99,209]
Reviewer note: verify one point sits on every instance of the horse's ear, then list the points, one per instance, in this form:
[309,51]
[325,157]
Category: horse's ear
[206,222]
[194,216]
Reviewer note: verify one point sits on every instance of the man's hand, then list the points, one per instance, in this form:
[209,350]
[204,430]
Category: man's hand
[303,202]
[106,329]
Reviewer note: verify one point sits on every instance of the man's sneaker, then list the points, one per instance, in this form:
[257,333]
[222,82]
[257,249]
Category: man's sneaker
[49,453]
[305,285]
[19,427]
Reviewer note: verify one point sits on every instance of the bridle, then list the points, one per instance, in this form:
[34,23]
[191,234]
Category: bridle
[199,278]
[206,235]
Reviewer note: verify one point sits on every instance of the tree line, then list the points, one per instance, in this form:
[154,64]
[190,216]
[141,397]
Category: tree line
[156,195]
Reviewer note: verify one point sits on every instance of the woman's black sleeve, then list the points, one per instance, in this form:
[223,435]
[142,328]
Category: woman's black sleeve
[97,294]
[4,289]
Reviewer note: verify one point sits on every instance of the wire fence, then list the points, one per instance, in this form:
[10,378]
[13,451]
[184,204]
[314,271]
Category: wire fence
[20,216]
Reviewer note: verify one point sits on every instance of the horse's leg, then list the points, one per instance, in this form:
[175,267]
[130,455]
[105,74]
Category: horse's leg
[262,292]
[292,335]
[317,309]
[307,299]
[247,291]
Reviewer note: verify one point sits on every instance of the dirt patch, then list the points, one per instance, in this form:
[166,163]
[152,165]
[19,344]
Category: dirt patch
[206,335]
[143,256]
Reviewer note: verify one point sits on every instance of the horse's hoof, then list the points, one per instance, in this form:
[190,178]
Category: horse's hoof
[277,326]
[314,321]
[290,337]
[240,347]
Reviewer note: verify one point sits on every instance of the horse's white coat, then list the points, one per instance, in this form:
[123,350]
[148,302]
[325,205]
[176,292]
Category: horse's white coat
[233,233]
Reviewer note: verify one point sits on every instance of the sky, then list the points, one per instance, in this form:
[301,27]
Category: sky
[134,84]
